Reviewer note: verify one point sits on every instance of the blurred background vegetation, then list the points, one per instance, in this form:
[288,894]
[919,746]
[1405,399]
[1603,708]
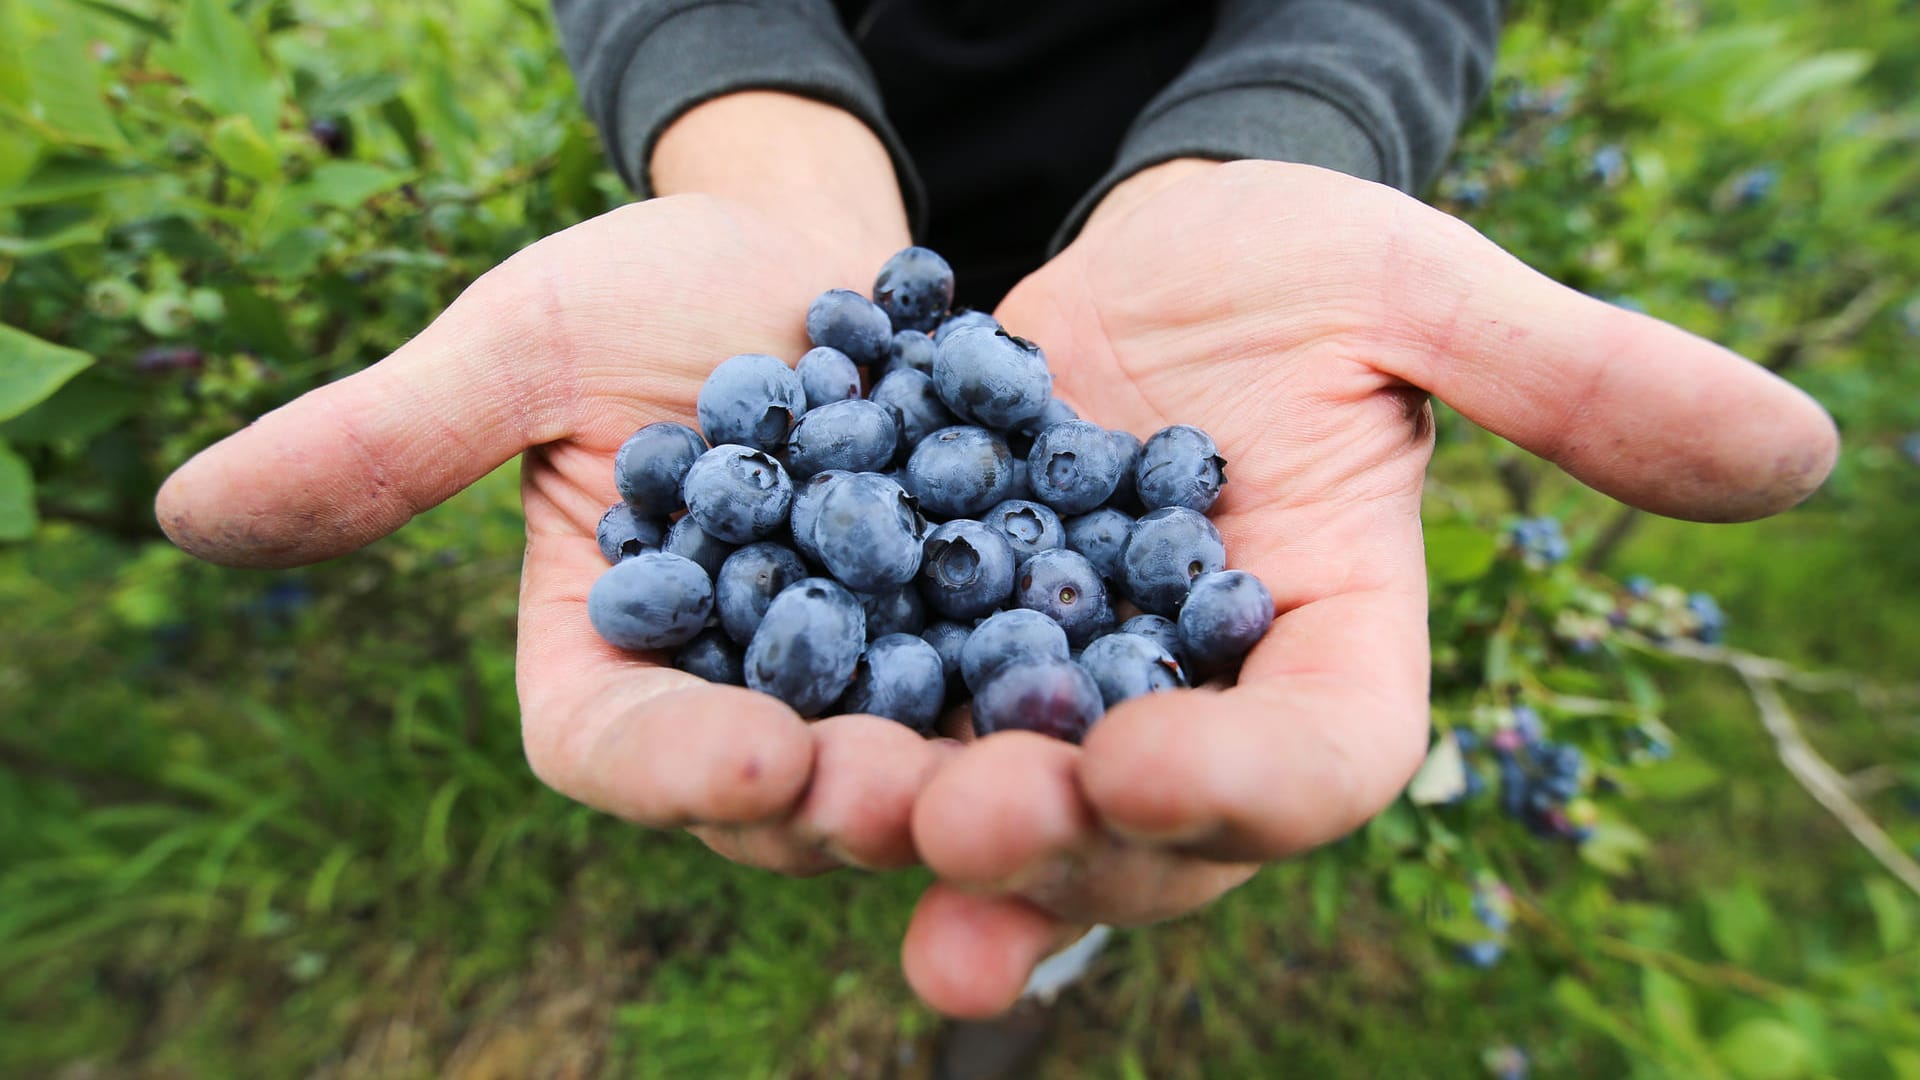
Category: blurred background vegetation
[278,824]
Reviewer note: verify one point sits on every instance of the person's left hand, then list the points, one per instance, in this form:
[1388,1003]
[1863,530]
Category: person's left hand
[1301,317]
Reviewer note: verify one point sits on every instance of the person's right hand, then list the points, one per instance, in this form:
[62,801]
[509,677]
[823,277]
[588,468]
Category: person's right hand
[562,352]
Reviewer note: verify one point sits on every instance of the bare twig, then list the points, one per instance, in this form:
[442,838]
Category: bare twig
[1611,537]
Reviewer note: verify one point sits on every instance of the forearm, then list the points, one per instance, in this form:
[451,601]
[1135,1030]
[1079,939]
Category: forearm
[813,166]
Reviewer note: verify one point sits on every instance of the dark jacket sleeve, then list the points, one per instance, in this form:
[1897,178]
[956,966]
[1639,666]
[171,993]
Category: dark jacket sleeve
[1373,88]
[640,64]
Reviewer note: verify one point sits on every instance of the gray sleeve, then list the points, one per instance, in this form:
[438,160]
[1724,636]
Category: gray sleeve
[1373,88]
[640,64]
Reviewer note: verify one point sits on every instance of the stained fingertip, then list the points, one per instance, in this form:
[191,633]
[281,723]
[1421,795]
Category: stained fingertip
[1000,807]
[969,957]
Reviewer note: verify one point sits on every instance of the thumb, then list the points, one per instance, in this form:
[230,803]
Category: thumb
[352,461]
[1637,408]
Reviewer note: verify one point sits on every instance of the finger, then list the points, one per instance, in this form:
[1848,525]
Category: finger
[969,956]
[1635,407]
[857,810]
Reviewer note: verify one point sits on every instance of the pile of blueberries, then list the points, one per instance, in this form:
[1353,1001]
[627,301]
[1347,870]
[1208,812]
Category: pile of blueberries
[956,532]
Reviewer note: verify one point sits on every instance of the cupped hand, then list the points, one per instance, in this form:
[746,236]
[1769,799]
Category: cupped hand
[1302,317]
[562,352]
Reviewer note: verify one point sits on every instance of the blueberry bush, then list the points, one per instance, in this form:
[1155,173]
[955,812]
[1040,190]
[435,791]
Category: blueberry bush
[279,824]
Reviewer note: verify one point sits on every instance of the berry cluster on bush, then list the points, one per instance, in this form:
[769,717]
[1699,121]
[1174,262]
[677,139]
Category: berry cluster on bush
[956,532]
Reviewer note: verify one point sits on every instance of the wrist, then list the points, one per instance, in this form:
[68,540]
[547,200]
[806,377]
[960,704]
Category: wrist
[813,167]
[1143,186]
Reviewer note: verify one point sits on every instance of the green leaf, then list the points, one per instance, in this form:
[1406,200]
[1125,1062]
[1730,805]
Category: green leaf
[62,80]
[1458,552]
[240,146]
[17,517]
[1815,75]
[85,232]
[353,92]
[150,27]
[1905,1062]
[1889,914]
[1578,1001]
[219,58]
[344,184]
[1613,847]
[1668,1006]
[1765,1049]
[83,408]
[295,254]
[60,179]
[1674,779]
[32,369]
[1740,923]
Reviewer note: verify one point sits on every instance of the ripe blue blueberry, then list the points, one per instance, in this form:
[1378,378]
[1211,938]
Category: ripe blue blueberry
[623,533]
[1128,665]
[1008,637]
[992,377]
[900,678]
[651,601]
[1125,496]
[808,645]
[857,436]
[1180,466]
[961,319]
[914,288]
[869,533]
[652,464]
[747,583]
[750,400]
[1158,629]
[689,541]
[1021,488]
[1101,536]
[1029,527]
[948,639]
[1065,587]
[1165,552]
[843,319]
[911,396]
[1051,697]
[713,657]
[827,376]
[807,498]
[1020,437]
[1225,614]
[738,494]
[896,611]
[966,569]
[960,472]
[1074,467]
[911,350]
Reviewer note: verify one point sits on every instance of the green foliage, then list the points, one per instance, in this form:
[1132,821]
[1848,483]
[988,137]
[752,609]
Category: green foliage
[266,825]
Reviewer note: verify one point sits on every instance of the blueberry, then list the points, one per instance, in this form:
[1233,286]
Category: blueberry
[961,319]
[827,376]
[750,400]
[1180,466]
[900,678]
[1158,629]
[805,514]
[869,533]
[651,601]
[914,288]
[966,569]
[808,645]
[652,464]
[1020,437]
[738,494]
[911,350]
[714,658]
[748,581]
[948,639]
[1125,495]
[1101,536]
[991,377]
[1029,527]
[911,396]
[1225,614]
[1128,665]
[1051,697]
[1165,552]
[857,436]
[1007,637]
[1065,587]
[1074,466]
[623,533]
[843,319]
[960,472]
[896,611]
[1021,488]
[688,540]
